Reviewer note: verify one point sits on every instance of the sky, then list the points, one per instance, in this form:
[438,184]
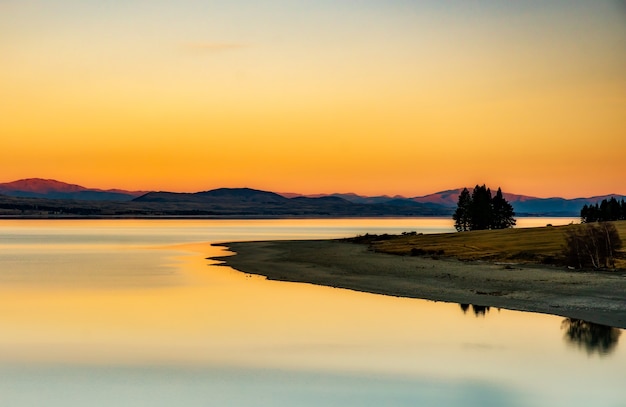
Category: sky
[372,97]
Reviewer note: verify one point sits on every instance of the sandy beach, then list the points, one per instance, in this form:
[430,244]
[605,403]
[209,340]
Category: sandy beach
[598,297]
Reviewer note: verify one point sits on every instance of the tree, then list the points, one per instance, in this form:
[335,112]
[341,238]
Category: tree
[462,213]
[502,212]
[605,211]
[480,211]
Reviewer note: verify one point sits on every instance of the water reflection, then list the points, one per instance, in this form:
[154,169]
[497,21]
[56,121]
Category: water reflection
[116,311]
[594,338]
[479,310]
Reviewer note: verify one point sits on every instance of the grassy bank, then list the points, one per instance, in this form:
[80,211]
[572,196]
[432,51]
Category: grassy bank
[527,245]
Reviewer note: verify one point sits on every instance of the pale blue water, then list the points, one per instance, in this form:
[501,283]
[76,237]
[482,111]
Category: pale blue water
[129,313]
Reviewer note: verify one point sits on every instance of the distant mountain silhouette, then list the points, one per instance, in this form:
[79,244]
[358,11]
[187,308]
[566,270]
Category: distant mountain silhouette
[251,202]
[450,197]
[523,204]
[216,196]
[352,197]
[40,197]
[445,198]
[52,189]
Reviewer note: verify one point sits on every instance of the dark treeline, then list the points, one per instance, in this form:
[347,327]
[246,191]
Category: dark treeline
[605,211]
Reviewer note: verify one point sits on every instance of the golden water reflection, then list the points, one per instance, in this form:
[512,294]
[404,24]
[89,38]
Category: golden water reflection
[215,315]
[591,337]
[190,312]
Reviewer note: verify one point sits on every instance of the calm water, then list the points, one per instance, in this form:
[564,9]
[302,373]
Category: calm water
[130,313]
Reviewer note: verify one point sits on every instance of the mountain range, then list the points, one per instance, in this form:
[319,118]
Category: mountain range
[37,197]
[523,205]
[52,189]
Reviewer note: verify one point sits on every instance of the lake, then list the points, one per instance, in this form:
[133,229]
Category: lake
[131,313]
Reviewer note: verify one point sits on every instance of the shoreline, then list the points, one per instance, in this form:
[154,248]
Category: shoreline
[598,297]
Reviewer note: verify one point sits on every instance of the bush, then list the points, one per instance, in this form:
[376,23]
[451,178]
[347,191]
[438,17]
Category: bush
[416,251]
[591,245]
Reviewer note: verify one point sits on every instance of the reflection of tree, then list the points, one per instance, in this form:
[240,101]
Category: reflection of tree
[479,310]
[592,337]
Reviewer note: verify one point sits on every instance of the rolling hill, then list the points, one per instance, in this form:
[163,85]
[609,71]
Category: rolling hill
[52,189]
[36,197]
[251,202]
[523,205]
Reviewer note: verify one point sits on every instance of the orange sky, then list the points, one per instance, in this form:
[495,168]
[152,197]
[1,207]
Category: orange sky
[381,98]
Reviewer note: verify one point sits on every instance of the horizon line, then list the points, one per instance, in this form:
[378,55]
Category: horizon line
[283,193]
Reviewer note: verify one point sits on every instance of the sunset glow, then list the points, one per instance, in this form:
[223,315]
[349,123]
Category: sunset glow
[369,97]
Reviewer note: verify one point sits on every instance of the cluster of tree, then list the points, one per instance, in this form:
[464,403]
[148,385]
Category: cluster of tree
[591,245]
[479,210]
[36,208]
[607,210]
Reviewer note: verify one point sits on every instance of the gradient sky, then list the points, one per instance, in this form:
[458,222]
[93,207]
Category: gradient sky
[374,97]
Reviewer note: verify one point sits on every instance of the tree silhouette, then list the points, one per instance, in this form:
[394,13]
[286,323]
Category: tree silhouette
[607,210]
[480,211]
[462,213]
[502,212]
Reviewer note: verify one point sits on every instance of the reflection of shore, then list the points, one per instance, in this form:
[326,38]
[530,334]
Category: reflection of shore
[594,338]
[479,310]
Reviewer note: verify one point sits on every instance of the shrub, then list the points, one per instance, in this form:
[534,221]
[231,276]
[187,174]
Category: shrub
[591,245]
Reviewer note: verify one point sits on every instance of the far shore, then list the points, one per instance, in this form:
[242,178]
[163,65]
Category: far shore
[598,297]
